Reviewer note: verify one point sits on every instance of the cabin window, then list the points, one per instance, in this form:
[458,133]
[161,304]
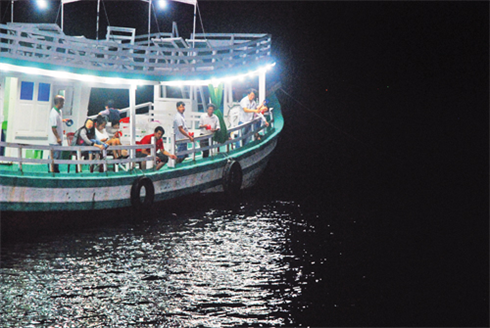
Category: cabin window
[43,92]
[26,90]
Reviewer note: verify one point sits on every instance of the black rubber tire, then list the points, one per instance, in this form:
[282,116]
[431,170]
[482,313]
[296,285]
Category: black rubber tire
[232,178]
[136,191]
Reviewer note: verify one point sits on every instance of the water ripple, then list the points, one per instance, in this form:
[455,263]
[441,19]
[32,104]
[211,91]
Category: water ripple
[218,268]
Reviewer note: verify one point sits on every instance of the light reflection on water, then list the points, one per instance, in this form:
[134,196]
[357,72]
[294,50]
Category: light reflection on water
[219,268]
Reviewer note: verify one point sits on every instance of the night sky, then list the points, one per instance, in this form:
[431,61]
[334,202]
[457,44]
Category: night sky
[401,89]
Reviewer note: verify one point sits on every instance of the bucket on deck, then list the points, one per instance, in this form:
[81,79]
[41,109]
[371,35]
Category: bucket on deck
[33,153]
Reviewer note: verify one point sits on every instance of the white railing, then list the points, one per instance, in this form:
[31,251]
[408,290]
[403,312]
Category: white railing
[236,139]
[126,110]
[165,56]
[77,152]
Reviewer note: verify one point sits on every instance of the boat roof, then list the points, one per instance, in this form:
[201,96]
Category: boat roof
[124,58]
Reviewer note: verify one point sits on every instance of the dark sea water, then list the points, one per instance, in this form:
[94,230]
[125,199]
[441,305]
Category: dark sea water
[219,267]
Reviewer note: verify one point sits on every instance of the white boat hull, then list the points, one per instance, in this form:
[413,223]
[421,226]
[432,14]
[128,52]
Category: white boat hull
[65,194]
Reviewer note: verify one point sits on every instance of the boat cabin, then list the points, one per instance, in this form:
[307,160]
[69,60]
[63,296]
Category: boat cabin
[39,62]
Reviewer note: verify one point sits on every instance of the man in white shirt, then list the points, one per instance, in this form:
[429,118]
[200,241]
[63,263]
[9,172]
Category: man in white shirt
[209,124]
[55,134]
[248,109]
[181,131]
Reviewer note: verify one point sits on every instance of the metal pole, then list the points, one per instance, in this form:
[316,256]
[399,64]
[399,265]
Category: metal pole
[171,162]
[149,21]
[261,87]
[194,26]
[98,11]
[132,121]
[62,14]
[12,11]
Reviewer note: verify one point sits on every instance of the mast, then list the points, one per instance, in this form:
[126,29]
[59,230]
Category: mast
[97,29]
[12,11]
[194,26]
[149,20]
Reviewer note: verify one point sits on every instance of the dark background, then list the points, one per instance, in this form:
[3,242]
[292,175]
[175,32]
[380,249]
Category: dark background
[386,140]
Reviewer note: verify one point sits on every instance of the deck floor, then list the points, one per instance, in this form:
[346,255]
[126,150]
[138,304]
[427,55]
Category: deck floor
[41,169]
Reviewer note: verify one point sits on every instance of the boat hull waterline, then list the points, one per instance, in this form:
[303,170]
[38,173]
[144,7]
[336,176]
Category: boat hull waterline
[68,193]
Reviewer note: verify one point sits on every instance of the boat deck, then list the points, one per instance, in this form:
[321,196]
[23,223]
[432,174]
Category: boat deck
[42,169]
[219,153]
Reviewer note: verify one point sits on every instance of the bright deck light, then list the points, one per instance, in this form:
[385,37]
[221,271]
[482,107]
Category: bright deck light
[64,75]
[42,4]
[162,4]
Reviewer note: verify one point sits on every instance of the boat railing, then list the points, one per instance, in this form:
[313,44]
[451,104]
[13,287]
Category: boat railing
[165,56]
[142,40]
[75,156]
[141,119]
[236,138]
[148,105]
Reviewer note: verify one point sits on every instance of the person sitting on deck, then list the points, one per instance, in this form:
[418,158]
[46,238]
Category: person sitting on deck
[85,136]
[113,130]
[102,135]
[162,154]
[209,124]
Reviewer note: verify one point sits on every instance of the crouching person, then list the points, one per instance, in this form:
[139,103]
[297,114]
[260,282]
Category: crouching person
[162,154]
[85,136]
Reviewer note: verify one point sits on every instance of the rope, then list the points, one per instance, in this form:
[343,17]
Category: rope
[370,145]
[6,11]
[155,16]
[320,117]
[225,155]
[58,14]
[105,12]
[200,20]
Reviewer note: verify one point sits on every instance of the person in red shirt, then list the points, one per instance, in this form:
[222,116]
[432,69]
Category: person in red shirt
[162,154]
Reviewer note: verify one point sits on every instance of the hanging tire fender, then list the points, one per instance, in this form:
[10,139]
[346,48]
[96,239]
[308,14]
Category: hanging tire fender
[138,184]
[232,177]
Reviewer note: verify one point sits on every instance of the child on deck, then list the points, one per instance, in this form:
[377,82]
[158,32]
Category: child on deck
[104,136]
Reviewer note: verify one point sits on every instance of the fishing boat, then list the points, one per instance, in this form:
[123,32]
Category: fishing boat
[39,61]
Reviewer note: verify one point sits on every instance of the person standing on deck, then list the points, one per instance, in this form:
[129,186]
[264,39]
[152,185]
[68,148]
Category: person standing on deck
[110,113]
[55,134]
[209,124]
[181,131]
[248,109]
